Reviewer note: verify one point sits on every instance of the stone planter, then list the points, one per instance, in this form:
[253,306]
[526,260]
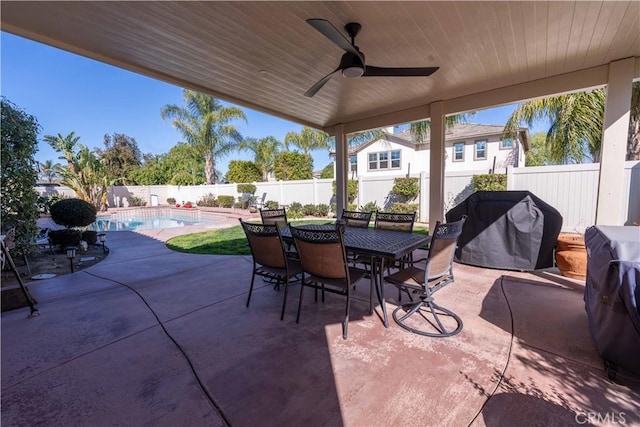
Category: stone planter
[571,256]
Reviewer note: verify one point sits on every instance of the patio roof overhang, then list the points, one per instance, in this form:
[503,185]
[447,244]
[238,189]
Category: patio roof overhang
[263,55]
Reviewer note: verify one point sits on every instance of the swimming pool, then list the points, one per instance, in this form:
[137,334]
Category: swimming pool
[148,219]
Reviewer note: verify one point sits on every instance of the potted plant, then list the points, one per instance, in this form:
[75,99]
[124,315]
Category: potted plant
[571,256]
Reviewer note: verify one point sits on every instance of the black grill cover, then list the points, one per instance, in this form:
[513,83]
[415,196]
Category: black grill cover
[612,293]
[509,230]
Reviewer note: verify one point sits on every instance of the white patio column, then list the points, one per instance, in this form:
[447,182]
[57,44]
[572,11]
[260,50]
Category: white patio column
[341,169]
[614,143]
[436,164]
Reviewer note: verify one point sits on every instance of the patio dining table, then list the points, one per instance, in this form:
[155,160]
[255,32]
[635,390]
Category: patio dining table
[380,245]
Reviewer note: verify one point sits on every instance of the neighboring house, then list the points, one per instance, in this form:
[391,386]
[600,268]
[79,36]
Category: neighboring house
[468,147]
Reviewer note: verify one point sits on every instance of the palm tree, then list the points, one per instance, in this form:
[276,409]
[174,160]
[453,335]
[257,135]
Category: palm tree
[206,125]
[576,124]
[420,130]
[264,153]
[65,145]
[307,139]
[48,170]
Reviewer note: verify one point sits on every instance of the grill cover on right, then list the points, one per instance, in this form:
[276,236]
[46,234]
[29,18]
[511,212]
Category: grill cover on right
[509,230]
[612,293]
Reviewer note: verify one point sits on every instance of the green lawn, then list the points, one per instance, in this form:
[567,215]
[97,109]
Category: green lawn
[229,241]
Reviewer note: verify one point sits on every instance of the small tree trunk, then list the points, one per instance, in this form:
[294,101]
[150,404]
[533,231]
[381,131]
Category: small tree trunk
[209,171]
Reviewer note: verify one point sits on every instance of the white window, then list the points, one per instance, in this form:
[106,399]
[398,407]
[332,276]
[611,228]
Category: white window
[384,160]
[481,150]
[506,144]
[458,152]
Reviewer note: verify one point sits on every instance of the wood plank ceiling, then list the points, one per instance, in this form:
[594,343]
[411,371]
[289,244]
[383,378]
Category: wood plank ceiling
[264,55]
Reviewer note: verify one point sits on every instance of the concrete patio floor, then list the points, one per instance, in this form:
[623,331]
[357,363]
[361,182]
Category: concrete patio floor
[154,337]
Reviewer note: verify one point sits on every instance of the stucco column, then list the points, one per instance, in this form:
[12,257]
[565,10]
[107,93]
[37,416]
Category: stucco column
[341,169]
[614,144]
[436,164]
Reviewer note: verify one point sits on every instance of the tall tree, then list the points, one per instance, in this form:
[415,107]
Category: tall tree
[120,156]
[307,139]
[420,130]
[47,170]
[19,144]
[291,165]
[264,152]
[576,124]
[207,126]
[538,154]
[180,166]
[66,145]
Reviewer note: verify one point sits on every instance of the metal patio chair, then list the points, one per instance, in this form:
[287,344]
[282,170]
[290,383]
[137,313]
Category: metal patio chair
[269,257]
[437,274]
[324,265]
[272,216]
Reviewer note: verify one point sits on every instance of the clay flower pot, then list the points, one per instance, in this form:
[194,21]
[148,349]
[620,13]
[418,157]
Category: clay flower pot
[571,256]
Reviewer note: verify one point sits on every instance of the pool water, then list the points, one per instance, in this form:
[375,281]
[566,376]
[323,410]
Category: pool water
[146,220]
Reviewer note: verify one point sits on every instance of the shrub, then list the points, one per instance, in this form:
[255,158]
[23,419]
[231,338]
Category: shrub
[407,188]
[370,207]
[352,190]
[171,200]
[295,207]
[226,201]
[90,236]
[271,204]
[489,182]
[208,200]
[136,201]
[246,188]
[405,207]
[294,215]
[68,237]
[73,213]
[45,202]
[309,210]
[322,210]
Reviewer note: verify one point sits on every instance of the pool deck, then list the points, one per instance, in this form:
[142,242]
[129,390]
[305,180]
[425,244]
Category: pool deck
[155,337]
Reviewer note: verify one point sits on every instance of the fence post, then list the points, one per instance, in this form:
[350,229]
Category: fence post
[315,191]
[510,178]
[360,197]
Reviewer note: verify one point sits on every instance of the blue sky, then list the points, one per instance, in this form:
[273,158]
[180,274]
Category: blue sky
[67,92]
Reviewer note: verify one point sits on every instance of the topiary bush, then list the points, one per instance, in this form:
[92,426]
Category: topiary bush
[68,237]
[73,213]
[407,188]
[136,201]
[246,188]
[171,200]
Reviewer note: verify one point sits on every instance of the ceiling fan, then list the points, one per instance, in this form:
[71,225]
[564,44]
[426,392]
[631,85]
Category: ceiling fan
[352,65]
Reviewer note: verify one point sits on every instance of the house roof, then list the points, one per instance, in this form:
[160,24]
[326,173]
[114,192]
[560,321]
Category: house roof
[457,132]
[264,55]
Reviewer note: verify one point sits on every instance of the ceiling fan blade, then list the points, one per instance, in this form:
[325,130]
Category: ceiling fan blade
[371,71]
[333,34]
[316,87]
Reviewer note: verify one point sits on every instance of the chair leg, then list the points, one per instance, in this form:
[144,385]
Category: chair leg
[253,277]
[345,324]
[300,301]
[284,303]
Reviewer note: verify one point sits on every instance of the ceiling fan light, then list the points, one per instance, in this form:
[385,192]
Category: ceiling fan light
[352,72]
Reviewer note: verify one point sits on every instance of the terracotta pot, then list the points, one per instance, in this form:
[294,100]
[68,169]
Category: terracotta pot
[571,256]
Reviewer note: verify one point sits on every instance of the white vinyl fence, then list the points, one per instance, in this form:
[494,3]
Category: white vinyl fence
[571,189]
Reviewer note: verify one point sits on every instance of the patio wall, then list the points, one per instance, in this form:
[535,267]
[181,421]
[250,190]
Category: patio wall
[571,189]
